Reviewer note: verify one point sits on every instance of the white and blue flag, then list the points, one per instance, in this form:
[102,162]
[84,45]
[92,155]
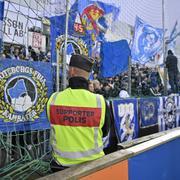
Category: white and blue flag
[171,42]
[1,22]
[147,41]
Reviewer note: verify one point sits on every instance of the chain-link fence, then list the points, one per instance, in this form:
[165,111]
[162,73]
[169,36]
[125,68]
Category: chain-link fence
[127,39]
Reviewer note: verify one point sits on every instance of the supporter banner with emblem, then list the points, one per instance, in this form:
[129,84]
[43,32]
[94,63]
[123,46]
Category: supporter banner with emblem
[1,22]
[86,26]
[126,119]
[148,112]
[76,43]
[168,112]
[24,91]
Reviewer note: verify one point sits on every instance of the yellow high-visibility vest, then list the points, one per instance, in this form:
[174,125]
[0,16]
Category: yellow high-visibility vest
[77,117]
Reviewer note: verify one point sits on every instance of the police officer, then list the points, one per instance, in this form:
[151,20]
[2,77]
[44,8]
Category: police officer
[79,119]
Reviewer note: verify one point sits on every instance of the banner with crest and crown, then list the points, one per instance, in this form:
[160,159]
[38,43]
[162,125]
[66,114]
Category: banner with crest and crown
[24,91]
[168,112]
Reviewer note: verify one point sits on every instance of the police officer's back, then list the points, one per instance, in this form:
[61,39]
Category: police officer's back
[77,118]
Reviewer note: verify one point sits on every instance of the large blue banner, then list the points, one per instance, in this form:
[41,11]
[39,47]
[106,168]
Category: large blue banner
[114,61]
[126,119]
[1,22]
[168,112]
[148,112]
[147,41]
[24,91]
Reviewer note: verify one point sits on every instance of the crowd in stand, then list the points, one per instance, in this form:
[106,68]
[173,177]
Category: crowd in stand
[21,53]
[144,82]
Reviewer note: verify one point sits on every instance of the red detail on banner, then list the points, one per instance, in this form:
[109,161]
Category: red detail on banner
[36,40]
[79,28]
[75,116]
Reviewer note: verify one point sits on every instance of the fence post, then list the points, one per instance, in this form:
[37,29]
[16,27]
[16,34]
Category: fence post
[164,49]
[129,75]
[64,76]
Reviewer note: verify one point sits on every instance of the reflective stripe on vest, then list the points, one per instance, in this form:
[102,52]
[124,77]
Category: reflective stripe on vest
[75,155]
[81,154]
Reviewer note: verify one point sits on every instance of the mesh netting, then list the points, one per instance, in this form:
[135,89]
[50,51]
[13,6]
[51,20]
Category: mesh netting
[34,30]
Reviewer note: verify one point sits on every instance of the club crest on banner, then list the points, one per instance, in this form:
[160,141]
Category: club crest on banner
[23,94]
[90,16]
[74,46]
[149,112]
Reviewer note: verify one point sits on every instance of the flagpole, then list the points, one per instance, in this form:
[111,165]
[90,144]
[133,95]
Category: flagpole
[129,75]
[164,49]
[64,76]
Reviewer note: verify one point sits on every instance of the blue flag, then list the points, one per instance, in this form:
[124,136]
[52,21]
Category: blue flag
[57,28]
[126,119]
[25,89]
[1,22]
[147,41]
[171,42]
[114,58]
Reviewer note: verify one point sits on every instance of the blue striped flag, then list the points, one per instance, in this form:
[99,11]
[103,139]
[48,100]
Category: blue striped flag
[1,22]
[173,36]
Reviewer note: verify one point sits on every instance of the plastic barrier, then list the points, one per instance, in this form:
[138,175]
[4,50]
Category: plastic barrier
[157,159]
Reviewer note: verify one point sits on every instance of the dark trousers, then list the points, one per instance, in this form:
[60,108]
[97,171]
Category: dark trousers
[56,167]
[173,81]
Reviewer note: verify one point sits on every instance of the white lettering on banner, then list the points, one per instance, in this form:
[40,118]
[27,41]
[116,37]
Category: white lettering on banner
[22,69]
[19,118]
[124,109]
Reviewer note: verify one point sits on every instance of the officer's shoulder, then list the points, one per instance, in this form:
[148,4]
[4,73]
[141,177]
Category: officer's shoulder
[99,95]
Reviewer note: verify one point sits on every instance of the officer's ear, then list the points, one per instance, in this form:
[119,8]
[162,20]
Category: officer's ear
[71,72]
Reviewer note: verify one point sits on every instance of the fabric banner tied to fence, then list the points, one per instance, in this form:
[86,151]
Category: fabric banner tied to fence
[148,112]
[1,22]
[24,91]
[169,112]
[126,119]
